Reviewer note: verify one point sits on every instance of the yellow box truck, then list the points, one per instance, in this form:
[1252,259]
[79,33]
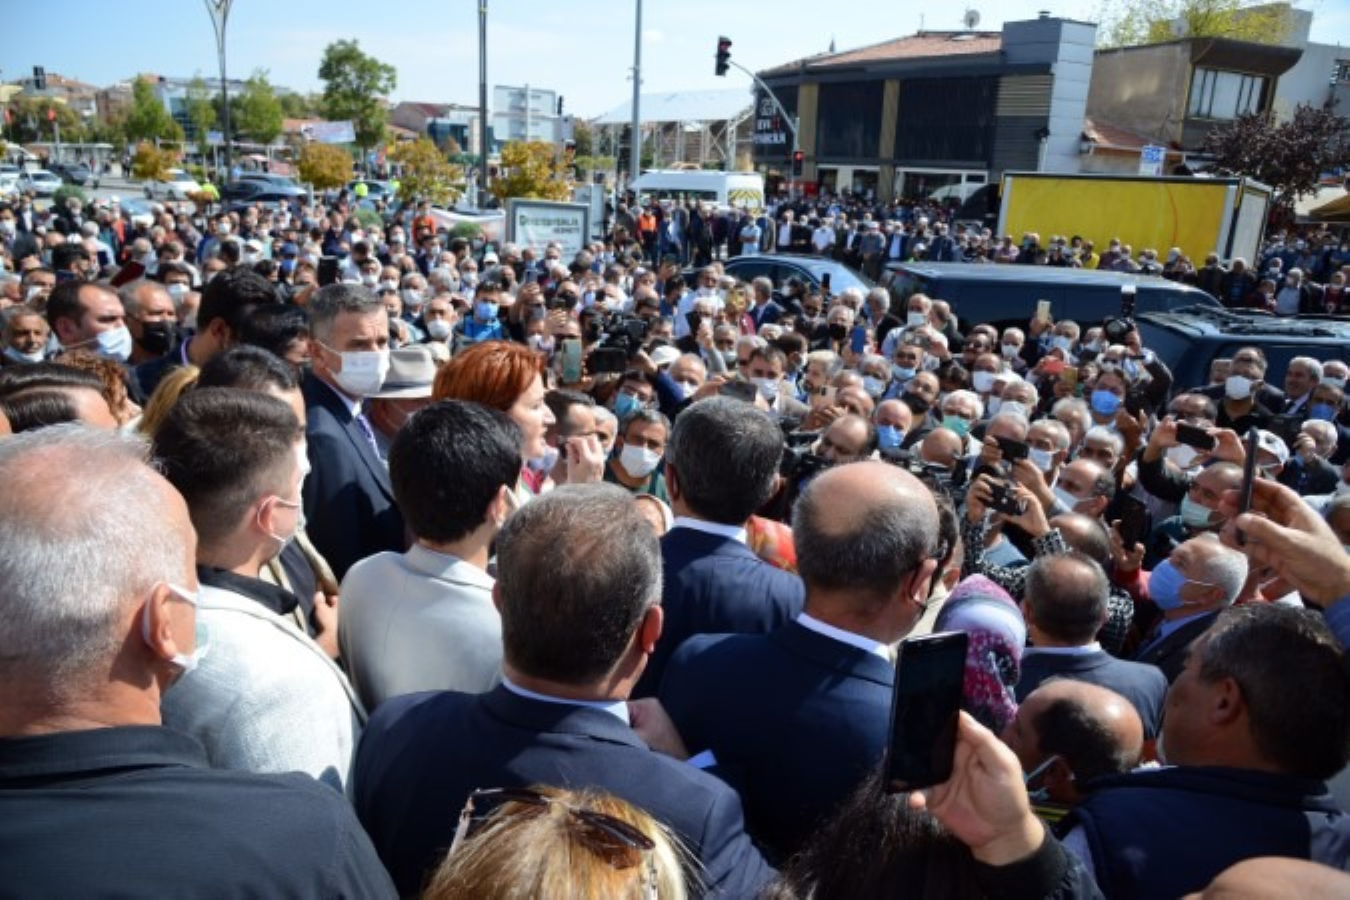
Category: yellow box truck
[1226,216]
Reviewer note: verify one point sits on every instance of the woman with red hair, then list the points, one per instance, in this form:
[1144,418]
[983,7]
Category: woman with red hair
[510,378]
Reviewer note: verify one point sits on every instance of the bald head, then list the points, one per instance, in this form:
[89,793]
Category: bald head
[865,534]
[1092,730]
[895,414]
[941,446]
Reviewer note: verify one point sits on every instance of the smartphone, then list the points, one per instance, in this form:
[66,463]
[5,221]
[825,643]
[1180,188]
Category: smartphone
[825,283]
[571,361]
[739,390]
[1069,376]
[1011,449]
[1134,402]
[328,270]
[858,339]
[1043,311]
[1134,520]
[1128,292]
[537,313]
[694,320]
[1004,499]
[1253,445]
[823,397]
[925,711]
[607,360]
[1053,365]
[1195,436]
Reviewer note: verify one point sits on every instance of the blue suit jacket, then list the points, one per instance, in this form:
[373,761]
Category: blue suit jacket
[1144,685]
[716,585]
[423,754]
[349,503]
[1169,654]
[795,718]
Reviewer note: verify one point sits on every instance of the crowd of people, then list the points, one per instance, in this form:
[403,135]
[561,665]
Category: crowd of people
[366,561]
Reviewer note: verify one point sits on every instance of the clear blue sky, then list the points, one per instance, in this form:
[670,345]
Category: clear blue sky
[581,48]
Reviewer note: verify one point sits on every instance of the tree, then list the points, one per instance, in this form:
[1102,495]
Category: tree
[1126,23]
[150,163]
[257,112]
[300,106]
[426,173]
[200,112]
[530,169]
[30,120]
[325,166]
[353,86]
[148,119]
[1290,157]
[584,136]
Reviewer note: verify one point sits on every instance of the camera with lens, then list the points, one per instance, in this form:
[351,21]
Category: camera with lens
[1116,328]
[952,483]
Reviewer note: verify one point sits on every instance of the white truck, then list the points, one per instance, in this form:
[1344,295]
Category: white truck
[726,190]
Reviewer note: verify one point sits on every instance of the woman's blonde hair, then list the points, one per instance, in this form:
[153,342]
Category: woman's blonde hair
[552,848]
[170,388]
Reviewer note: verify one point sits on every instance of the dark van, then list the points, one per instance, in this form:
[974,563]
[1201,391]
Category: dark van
[1004,295]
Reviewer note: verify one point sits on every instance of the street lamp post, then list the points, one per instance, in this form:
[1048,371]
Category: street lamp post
[219,10]
[635,144]
[482,105]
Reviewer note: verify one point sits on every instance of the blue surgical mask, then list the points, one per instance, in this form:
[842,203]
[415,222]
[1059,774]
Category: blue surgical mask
[873,386]
[900,373]
[1105,403]
[1323,412]
[485,311]
[1165,584]
[889,437]
[1195,515]
[625,405]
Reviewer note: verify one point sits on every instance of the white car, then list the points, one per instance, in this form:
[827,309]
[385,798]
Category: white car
[9,184]
[176,185]
[40,182]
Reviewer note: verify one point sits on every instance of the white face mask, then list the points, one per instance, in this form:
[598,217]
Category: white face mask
[638,461]
[362,372]
[114,344]
[1011,351]
[982,381]
[438,329]
[916,320]
[1182,455]
[185,663]
[1041,459]
[1236,387]
[768,388]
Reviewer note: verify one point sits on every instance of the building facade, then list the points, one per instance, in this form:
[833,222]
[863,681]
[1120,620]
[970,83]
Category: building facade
[933,116]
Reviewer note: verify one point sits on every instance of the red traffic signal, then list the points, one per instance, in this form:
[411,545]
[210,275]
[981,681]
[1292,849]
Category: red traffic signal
[723,55]
[798,161]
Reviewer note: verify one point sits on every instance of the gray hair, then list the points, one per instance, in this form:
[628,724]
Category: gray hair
[831,360]
[969,397]
[752,341]
[71,566]
[1076,409]
[1059,435]
[1016,419]
[129,294]
[1102,433]
[579,568]
[441,280]
[1313,366]
[1224,568]
[335,299]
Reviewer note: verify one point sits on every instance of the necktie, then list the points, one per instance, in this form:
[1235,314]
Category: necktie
[369,434]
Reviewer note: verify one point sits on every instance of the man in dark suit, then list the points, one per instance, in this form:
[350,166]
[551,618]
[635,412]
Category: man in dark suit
[577,590]
[349,502]
[1197,581]
[721,465]
[765,310]
[1065,606]
[806,707]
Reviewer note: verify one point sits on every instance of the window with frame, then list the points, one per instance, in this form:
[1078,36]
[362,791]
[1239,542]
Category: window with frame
[1225,95]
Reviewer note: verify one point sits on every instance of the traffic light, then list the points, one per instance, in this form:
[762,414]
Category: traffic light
[39,78]
[723,55]
[798,160]
[560,100]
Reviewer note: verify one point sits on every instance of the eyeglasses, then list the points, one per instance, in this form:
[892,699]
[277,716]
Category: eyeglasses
[614,840]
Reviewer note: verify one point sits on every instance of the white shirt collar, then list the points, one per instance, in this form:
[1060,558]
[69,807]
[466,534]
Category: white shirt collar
[616,708]
[735,532]
[1093,647]
[846,637]
[352,404]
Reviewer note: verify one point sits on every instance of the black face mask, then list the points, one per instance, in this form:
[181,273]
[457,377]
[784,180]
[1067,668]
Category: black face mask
[917,405]
[158,338]
[838,332]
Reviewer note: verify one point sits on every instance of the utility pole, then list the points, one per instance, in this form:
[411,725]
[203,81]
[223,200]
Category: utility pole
[635,145]
[219,10]
[482,105]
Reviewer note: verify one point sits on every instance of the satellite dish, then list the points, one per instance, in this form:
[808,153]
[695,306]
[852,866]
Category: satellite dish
[971,18]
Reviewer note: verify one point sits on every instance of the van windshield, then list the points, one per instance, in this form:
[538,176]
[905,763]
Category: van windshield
[903,285]
[680,194]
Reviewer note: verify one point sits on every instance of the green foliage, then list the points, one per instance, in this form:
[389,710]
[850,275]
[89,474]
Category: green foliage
[151,163]
[467,230]
[1290,157]
[200,112]
[530,169]
[300,106]
[584,136]
[30,121]
[1128,23]
[369,218]
[426,173]
[257,113]
[148,119]
[65,192]
[354,84]
[324,166]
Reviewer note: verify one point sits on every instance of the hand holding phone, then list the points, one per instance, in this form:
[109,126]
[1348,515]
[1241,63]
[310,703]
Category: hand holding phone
[1253,445]
[571,361]
[1043,311]
[858,339]
[1195,436]
[925,710]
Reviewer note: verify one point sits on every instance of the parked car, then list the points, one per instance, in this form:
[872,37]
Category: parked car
[282,184]
[1008,295]
[375,190]
[138,211]
[175,185]
[779,267]
[40,182]
[9,184]
[247,190]
[1191,338]
[77,173]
